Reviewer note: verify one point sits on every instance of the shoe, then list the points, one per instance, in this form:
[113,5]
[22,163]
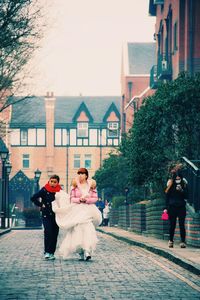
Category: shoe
[47,255]
[87,256]
[51,257]
[171,244]
[182,245]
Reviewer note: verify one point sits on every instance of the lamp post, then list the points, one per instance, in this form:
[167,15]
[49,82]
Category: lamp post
[8,168]
[126,194]
[37,178]
[3,155]
[127,207]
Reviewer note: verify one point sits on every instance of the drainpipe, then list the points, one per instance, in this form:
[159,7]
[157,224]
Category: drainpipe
[100,147]
[67,168]
[191,37]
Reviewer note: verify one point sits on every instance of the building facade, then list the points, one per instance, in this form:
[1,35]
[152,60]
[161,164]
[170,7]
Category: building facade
[137,61]
[177,38]
[58,135]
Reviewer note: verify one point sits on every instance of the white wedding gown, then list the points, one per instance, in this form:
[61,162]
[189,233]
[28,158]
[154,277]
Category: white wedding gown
[78,222]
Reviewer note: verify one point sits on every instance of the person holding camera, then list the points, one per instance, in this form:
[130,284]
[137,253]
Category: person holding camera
[176,195]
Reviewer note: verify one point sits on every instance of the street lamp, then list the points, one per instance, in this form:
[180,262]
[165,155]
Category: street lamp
[8,168]
[37,178]
[3,155]
[126,193]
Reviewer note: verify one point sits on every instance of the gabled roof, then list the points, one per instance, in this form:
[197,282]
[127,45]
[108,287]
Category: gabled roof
[81,108]
[67,107]
[20,182]
[111,108]
[31,112]
[141,57]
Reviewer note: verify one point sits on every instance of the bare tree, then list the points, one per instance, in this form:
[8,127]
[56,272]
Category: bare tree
[20,32]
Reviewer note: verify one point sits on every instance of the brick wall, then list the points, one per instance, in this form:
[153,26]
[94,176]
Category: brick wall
[145,218]
[114,216]
[138,217]
[192,226]
[154,225]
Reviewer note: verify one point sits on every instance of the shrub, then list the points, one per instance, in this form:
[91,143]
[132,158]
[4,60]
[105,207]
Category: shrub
[118,201]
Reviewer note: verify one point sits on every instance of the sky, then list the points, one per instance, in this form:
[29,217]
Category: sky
[81,51]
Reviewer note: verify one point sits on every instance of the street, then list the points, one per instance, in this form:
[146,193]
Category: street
[116,271]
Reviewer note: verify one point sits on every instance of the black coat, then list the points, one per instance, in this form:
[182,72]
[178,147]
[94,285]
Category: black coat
[175,197]
[43,199]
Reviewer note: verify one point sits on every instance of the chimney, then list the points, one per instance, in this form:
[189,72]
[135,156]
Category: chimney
[50,108]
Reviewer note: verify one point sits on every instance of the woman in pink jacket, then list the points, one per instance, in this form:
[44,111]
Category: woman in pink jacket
[80,218]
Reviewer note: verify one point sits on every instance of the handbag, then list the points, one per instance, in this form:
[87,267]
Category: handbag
[164,216]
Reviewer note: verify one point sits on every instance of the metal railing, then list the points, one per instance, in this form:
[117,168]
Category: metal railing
[192,174]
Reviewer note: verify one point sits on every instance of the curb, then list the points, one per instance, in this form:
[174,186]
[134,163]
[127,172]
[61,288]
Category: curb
[177,260]
[4,231]
[27,228]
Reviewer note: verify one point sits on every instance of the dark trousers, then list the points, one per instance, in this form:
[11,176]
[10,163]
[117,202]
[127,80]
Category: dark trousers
[174,213]
[51,230]
[105,222]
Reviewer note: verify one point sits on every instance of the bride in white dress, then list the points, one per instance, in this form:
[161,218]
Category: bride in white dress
[78,215]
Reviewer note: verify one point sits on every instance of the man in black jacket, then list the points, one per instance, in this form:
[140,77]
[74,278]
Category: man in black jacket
[43,199]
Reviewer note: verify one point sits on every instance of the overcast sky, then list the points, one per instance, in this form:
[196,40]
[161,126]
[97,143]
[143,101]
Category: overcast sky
[82,49]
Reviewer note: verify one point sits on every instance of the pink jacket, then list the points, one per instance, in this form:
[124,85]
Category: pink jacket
[76,194]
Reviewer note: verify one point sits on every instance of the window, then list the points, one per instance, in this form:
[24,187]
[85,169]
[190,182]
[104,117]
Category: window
[61,137]
[28,137]
[41,137]
[113,129]
[25,161]
[77,161]
[15,137]
[82,129]
[175,37]
[93,136]
[32,136]
[58,137]
[88,161]
[24,137]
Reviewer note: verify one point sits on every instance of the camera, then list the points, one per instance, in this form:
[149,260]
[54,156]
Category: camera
[178,187]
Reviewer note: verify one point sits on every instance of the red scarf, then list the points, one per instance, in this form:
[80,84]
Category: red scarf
[52,189]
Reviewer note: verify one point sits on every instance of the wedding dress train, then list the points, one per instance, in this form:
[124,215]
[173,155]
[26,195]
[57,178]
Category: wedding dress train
[79,221]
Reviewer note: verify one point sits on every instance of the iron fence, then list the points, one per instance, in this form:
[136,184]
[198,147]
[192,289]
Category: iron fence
[192,174]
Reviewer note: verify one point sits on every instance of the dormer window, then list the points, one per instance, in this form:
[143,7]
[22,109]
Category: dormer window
[113,129]
[82,130]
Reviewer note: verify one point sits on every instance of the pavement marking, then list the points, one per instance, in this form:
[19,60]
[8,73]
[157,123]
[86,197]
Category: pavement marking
[182,278]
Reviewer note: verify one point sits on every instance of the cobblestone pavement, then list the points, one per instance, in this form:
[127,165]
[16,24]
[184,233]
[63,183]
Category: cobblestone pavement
[116,271]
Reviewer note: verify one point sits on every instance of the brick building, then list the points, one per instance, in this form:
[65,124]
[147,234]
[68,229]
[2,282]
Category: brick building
[59,135]
[177,38]
[137,61]
[176,49]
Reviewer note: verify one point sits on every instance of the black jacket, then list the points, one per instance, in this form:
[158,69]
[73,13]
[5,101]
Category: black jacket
[176,197]
[45,202]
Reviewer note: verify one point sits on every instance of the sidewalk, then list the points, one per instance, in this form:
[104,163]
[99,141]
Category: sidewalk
[3,231]
[188,258]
